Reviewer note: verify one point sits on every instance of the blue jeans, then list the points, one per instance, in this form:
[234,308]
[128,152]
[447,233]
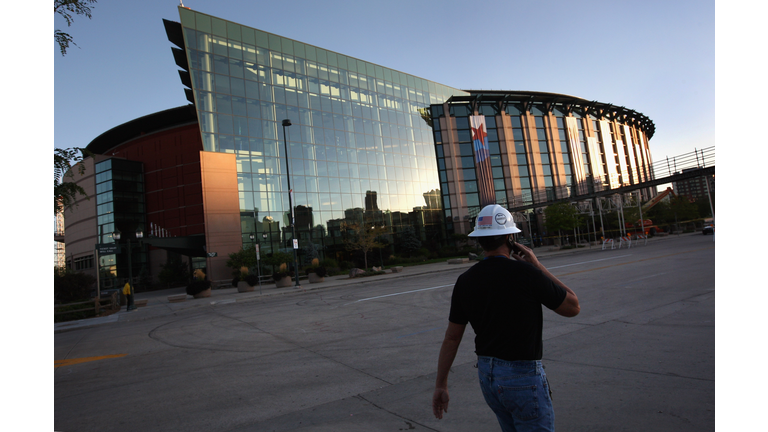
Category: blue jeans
[518,393]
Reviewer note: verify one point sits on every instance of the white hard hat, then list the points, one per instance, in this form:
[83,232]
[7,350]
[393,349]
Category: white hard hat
[494,220]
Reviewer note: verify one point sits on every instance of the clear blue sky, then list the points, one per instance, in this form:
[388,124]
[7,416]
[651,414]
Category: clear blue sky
[655,57]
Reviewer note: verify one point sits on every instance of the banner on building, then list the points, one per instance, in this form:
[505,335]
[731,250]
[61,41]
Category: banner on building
[577,161]
[610,155]
[482,160]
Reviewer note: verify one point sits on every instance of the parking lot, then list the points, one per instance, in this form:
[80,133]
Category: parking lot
[362,356]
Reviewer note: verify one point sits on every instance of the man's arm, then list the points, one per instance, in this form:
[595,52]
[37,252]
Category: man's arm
[570,305]
[448,351]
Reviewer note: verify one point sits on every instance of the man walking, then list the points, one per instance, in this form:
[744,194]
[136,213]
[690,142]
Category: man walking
[501,298]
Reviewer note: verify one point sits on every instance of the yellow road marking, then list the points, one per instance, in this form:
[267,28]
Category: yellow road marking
[69,362]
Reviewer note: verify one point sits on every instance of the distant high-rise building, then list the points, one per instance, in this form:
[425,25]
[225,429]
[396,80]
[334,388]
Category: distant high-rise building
[695,188]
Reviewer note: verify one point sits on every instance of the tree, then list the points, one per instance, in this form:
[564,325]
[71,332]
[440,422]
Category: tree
[678,209]
[363,239]
[70,286]
[311,251]
[245,257]
[277,259]
[459,240]
[684,208]
[65,163]
[561,216]
[409,241]
[703,208]
[68,9]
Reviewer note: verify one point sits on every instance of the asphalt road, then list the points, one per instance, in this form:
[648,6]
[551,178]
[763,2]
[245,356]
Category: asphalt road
[639,357]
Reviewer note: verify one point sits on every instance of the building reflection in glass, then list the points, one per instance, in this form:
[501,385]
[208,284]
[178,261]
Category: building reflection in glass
[360,151]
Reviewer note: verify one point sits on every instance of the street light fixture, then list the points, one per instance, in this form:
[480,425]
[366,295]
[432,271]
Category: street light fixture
[286,123]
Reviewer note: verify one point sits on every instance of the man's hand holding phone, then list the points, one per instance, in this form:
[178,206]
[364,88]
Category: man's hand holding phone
[523,253]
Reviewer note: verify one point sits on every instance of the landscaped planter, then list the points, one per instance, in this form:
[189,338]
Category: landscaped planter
[243,286]
[203,293]
[284,282]
[314,278]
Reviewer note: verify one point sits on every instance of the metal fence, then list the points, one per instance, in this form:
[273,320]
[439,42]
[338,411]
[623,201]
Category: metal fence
[99,306]
[670,166]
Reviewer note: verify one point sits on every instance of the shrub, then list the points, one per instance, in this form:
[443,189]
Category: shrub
[252,280]
[197,286]
[198,274]
[69,286]
[334,271]
[242,258]
[277,259]
[320,271]
[276,276]
[282,272]
[316,268]
[329,262]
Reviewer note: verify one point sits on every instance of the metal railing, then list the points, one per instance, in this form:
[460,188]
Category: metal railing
[670,166]
[99,306]
[667,170]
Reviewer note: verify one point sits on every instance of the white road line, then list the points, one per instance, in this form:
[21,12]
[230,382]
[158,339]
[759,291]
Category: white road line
[586,262]
[443,286]
[400,293]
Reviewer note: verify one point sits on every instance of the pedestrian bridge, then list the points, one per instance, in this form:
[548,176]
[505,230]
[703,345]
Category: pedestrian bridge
[698,163]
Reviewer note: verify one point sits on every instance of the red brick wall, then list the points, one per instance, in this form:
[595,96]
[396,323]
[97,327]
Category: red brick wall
[173,186]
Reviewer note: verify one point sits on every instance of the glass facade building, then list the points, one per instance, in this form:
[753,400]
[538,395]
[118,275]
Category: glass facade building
[360,147]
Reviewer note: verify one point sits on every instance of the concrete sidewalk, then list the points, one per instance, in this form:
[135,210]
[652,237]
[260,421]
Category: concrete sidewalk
[158,303]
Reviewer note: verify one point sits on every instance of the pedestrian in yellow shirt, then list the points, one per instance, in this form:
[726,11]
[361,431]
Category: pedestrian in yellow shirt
[128,292]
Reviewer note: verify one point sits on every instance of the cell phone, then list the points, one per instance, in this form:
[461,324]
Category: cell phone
[515,248]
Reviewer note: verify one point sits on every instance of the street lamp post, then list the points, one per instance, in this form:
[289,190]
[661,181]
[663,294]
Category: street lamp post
[258,257]
[286,123]
[139,235]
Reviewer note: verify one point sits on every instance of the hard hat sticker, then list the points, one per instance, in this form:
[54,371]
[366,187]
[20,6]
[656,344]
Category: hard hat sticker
[501,218]
[484,222]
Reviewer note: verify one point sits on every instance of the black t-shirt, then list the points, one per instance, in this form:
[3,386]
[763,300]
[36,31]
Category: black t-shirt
[501,298]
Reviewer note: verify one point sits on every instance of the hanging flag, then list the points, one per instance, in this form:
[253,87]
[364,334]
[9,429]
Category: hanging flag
[482,160]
